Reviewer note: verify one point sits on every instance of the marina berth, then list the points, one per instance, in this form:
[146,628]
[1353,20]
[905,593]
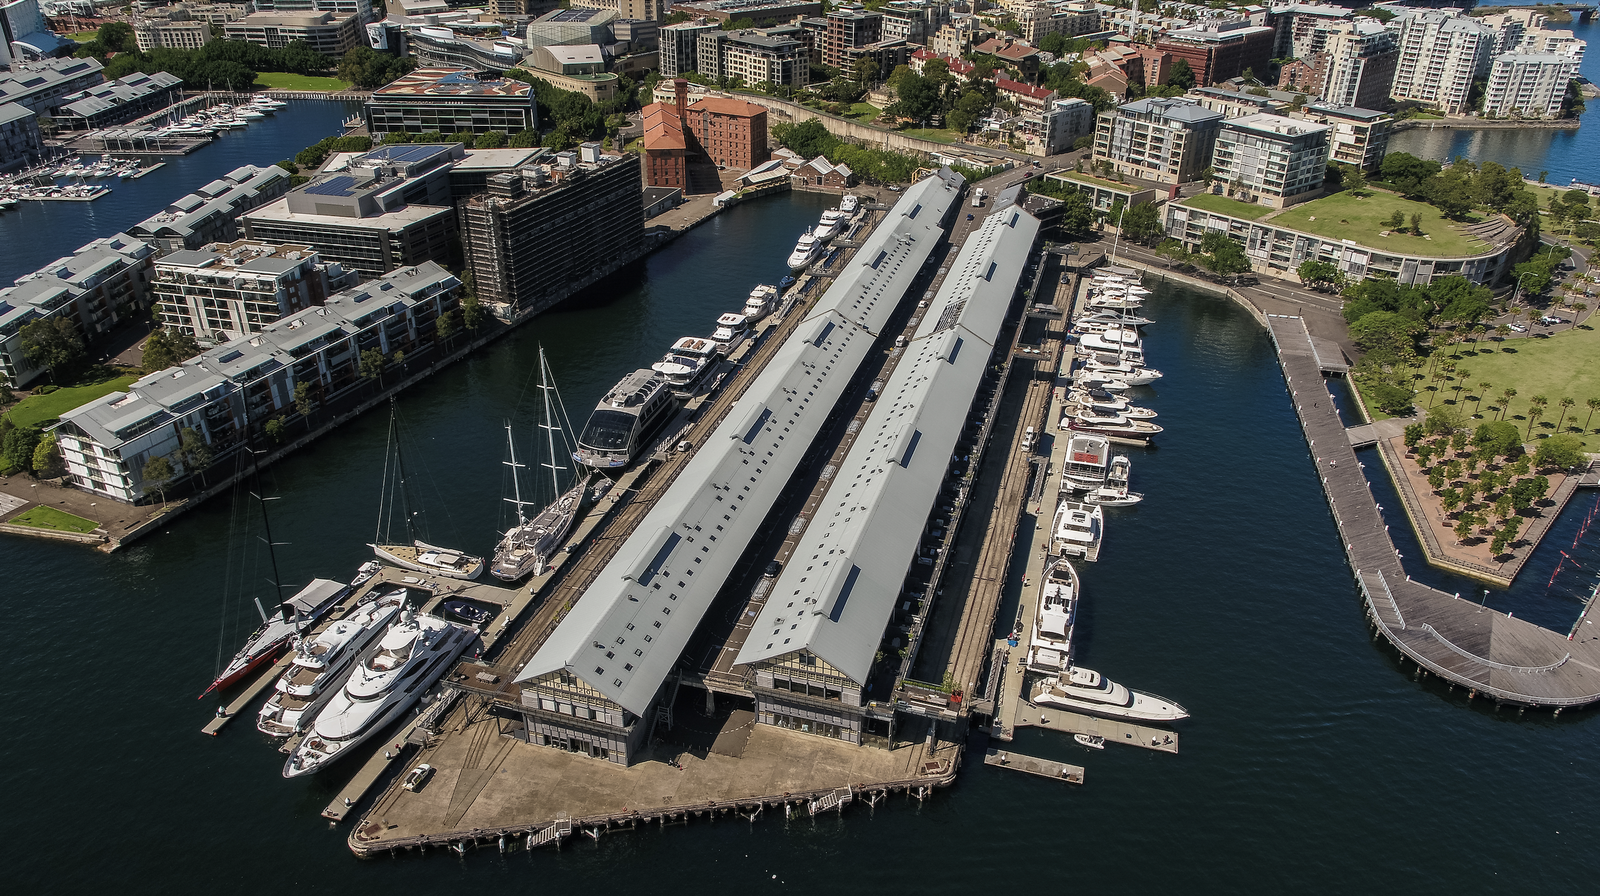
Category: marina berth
[295,615]
[625,420]
[1085,690]
[321,664]
[1077,531]
[1050,644]
[596,678]
[390,676]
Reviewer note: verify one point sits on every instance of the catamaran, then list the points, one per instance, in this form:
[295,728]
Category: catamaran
[624,421]
[389,677]
[1077,531]
[321,664]
[418,555]
[528,547]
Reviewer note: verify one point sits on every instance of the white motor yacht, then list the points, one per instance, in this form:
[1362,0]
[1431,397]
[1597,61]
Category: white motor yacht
[390,676]
[419,556]
[1114,341]
[688,365]
[321,664]
[732,330]
[828,228]
[1115,492]
[625,420]
[1085,690]
[1077,531]
[849,204]
[805,252]
[1103,402]
[1112,318]
[1050,646]
[762,302]
[1088,456]
[1123,369]
[1113,425]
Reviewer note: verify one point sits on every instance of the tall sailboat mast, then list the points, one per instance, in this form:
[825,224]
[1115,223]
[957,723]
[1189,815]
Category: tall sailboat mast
[548,425]
[516,478]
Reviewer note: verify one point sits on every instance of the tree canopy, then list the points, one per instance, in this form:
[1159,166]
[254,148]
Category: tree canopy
[54,343]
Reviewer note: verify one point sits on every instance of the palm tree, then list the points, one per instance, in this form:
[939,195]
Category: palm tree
[1506,395]
[1593,405]
[1564,403]
[1461,380]
[1483,389]
[1536,406]
[1502,331]
[1577,311]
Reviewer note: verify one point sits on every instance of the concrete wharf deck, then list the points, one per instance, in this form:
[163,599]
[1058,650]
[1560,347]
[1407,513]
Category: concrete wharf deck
[1491,654]
[1044,768]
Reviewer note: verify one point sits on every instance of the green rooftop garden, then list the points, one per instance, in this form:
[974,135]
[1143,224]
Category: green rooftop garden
[1362,219]
[1222,205]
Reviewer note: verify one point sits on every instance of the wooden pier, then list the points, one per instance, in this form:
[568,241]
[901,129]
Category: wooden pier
[1490,654]
[1044,768]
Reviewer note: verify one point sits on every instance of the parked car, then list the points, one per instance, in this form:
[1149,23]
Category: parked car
[772,570]
[1550,320]
[418,777]
[1519,328]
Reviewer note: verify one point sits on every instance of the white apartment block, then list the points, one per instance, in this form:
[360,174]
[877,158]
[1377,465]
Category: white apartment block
[1270,159]
[1042,18]
[230,290]
[754,56]
[1360,59]
[1298,25]
[1441,52]
[1528,85]
[680,46]
[914,21]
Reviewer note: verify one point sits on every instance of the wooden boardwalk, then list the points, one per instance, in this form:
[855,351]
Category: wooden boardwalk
[1491,654]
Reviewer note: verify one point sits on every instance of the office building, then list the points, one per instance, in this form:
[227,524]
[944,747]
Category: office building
[605,677]
[229,290]
[1221,51]
[1166,140]
[1441,53]
[1528,85]
[571,26]
[1271,160]
[325,32]
[20,144]
[450,101]
[361,10]
[388,208]
[540,234]
[42,86]
[1357,137]
[210,214]
[100,287]
[680,47]
[120,101]
[640,10]
[851,30]
[229,393]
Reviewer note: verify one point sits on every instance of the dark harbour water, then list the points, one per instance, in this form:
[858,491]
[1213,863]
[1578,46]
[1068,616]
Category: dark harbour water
[1312,763]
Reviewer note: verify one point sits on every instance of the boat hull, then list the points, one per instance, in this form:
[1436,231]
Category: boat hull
[1144,708]
[405,556]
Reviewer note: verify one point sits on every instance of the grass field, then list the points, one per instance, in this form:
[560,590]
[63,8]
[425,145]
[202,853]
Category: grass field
[36,409]
[1346,217]
[287,81]
[1558,366]
[866,113]
[937,135]
[51,518]
[1086,178]
[1223,205]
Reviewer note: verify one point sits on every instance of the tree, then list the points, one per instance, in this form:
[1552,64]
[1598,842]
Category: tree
[471,312]
[866,69]
[1173,251]
[1222,255]
[1416,223]
[1564,404]
[303,403]
[527,138]
[157,474]
[1497,439]
[1181,75]
[1353,178]
[369,69]
[1506,395]
[447,325]
[1463,528]
[1397,220]
[372,363]
[1593,404]
[1536,406]
[53,343]
[1142,223]
[1386,331]
[274,429]
[490,140]
[1409,174]
[1320,274]
[47,458]
[117,37]
[1562,451]
[193,452]
[168,348]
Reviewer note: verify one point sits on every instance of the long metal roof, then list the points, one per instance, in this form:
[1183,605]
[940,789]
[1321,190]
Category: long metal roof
[629,628]
[845,575]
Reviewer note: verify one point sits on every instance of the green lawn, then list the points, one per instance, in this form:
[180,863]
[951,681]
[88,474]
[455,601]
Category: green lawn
[84,37]
[50,518]
[1346,217]
[1211,202]
[36,409]
[866,113]
[1559,366]
[1083,177]
[937,135]
[287,81]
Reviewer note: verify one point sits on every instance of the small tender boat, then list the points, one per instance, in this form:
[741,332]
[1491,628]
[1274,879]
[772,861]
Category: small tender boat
[1092,741]
[1085,690]
[365,573]
[1115,492]
[470,612]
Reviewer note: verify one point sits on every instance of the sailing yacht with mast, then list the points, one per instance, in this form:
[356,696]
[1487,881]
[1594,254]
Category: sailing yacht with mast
[528,546]
[418,555]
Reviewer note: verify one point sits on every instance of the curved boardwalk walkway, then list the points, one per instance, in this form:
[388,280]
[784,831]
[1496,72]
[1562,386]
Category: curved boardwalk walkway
[1506,659]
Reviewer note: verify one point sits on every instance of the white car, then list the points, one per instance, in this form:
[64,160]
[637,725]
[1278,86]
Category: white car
[1519,328]
[418,777]
[1551,321]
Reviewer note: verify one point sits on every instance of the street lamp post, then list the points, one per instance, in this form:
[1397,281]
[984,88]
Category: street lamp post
[1118,236]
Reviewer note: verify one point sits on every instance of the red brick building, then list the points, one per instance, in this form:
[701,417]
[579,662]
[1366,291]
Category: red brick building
[665,164]
[726,132]
[1217,54]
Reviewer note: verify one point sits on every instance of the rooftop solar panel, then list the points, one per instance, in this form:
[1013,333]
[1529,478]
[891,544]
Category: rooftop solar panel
[333,186]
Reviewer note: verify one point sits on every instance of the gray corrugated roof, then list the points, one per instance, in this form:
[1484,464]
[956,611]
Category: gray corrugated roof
[844,577]
[629,628]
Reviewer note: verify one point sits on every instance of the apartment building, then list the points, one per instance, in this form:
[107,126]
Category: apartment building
[1221,51]
[1296,27]
[1039,19]
[914,21]
[1441,52]
[227,394]
[1356,136]
[325,32]
[1166,140]
[1357,64]
[680,46]
[229,290]
[1271,160]
[1528,85]
[450,100]
[754,56]
[183,27]
[851,29]
[210,214]
[20,143]
[540,233]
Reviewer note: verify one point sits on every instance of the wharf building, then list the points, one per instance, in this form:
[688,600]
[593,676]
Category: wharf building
[100,287]
[1277,248]
[21,145]
[1271,160]
[1218,52]
[451,101]
[328,33]
[388,208]
[1441,53]
[546,230]
[228,393]
[211,213]
[719,130]
[1166,140]
[229,290]
[607,674]
[42,86]
[812,650]
[120,101]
